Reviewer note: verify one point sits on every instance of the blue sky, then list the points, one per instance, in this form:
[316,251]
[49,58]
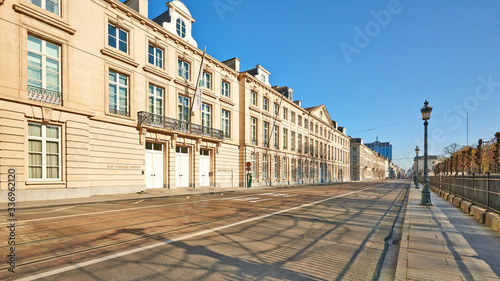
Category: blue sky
[372,63]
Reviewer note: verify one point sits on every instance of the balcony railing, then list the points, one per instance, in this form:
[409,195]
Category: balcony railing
[44,95]
[124,113]
[177,125]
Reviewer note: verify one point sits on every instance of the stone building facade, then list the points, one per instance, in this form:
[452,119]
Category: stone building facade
[95,98]
[367,164]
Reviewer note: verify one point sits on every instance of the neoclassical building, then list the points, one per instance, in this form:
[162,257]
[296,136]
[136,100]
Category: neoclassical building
[95,98]
[367,164]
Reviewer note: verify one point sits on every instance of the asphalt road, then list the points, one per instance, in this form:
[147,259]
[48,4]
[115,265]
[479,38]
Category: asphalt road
[333,232]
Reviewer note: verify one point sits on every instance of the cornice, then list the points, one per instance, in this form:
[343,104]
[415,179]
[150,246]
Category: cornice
[118,56]
[226,100]
[157,72]
[185,83]
[28,11]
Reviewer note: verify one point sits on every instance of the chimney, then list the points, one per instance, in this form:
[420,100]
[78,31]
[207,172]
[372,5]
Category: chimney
[233,63]
[140,6]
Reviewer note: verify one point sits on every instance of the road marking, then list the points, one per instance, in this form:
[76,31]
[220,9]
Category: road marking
[20,212]
[185,237]
[255,201]
[137,202]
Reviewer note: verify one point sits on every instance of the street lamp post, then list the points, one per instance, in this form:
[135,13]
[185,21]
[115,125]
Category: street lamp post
[426,193]
[417,150]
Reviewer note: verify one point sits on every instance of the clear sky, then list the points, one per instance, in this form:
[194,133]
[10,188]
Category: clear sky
[372,63]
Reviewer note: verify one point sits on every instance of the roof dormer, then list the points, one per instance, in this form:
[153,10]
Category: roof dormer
[261,74]
[178,20]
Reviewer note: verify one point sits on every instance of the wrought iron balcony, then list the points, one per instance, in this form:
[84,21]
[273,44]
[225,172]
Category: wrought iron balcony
[44,95]
[119,112]
[171,124]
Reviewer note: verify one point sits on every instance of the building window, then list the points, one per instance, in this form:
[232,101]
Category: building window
[225,123]
[299,169]
[285,138]
[265,104]
[180,26]
[263,78]
[355,160]
[264,167]
[206,116]
[118,94]
[265,133]
[52,6]
[276,167]
[354,149]
[44,67]
[284,168]
[305,123]
[155,100]
[225,89]
[183,108]
[305,145]
[252,166]
[183,69]
[276,109]
[316,130]
[253,98]
[292,117]
[117,38]
[292,141]
[299,120]
[206,80]
[155,56]
[276,137]
[299,142]
[253,130]
[292,168]
[285,113]
[44,151]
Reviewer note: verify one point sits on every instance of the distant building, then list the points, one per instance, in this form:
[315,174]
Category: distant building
[432,160]
[384,148]
[367,164]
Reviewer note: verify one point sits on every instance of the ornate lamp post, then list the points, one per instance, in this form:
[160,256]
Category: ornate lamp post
[417,150]
[426,193]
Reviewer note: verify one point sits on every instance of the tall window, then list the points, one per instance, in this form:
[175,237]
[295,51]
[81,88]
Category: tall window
[183,69]
[155,100]
[305,145]
[183,108]
[292,141]
[284,168]
[292,117]
[265,104]
[117,38]
[225,123]
[225,89]
[276,167]
[180,27]
[155,56]
[253,98]
[44,64]
[264,166]
[276,137]
[206,116]
[265,133]
[285,138]
[276,109]
[206,80]
[299,169]
[252,166]
[118,93]
[44,150]
[299,142]
[292,168]
[285,113]
[253,130]
[52,6]
[299,120]
[305,123]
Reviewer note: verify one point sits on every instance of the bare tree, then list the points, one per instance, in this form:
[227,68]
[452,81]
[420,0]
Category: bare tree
[450,149]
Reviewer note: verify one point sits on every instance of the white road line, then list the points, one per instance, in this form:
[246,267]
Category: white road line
[20,212]
[185,237]
[137,202]
[259,200]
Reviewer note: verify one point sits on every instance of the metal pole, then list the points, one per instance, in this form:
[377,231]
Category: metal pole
[426,194]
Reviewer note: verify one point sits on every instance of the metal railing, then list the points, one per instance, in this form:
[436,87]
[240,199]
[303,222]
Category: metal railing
[168,123]
[482,190]
[44,95]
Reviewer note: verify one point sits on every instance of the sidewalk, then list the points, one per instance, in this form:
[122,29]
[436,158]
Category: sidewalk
[440,242]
